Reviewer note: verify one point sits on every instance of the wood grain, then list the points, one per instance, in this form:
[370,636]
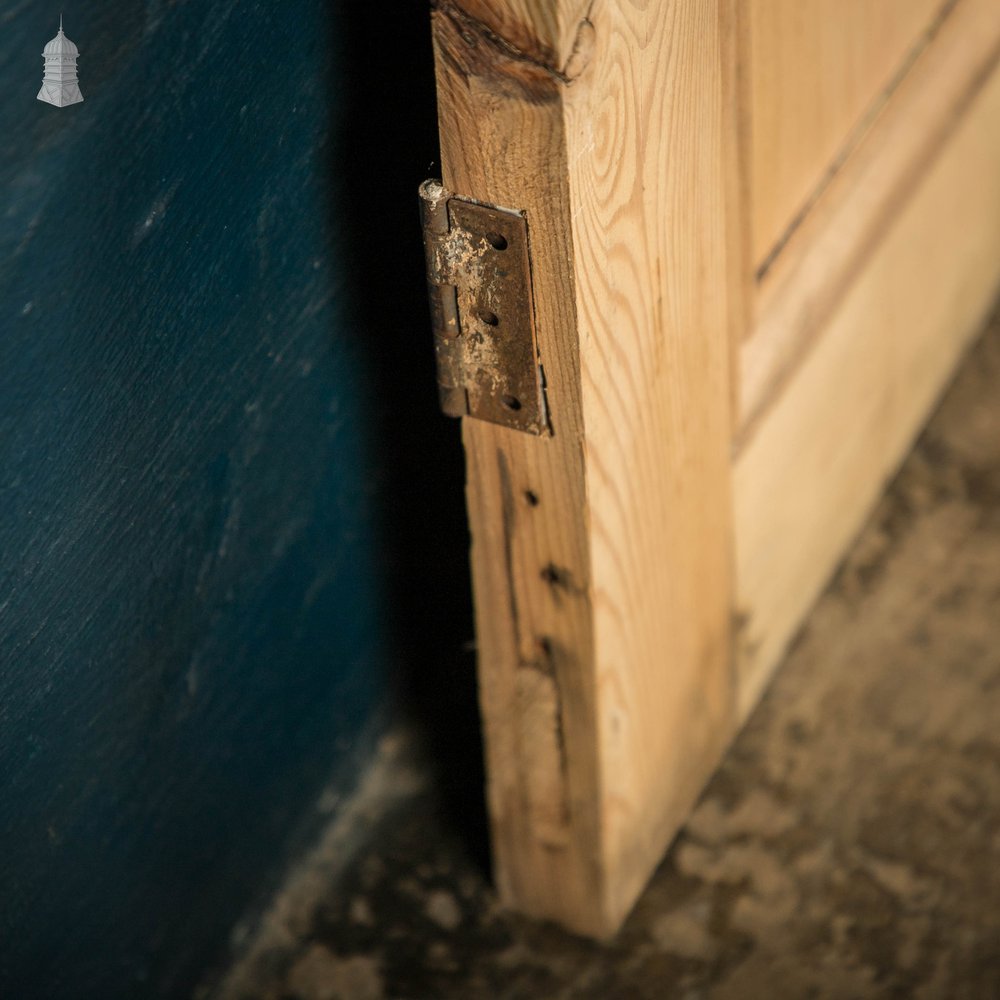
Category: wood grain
[603,554]
[741,281]
[815,67]
[819,459]
[809,277]
[649,178]
[603,604]
[503,141]
[545,31]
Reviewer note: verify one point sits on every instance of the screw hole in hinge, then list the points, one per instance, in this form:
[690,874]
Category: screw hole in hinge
[511,402]
[488,317]
[496,241]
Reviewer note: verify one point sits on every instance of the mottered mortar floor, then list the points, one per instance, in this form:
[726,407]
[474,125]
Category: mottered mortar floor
[849,847]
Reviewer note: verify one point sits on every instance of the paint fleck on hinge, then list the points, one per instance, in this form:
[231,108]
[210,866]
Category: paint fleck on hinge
[482,311]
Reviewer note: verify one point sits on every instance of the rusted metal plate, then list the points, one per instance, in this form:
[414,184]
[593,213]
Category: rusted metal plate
[479,275]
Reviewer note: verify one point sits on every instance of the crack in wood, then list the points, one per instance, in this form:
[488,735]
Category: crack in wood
[473,30]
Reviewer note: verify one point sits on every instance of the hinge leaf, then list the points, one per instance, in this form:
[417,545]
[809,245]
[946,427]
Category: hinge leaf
[482,310]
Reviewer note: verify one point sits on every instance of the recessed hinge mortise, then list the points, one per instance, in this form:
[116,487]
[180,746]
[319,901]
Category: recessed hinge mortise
[482,311]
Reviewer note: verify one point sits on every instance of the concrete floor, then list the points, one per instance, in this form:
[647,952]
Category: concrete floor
[849,847]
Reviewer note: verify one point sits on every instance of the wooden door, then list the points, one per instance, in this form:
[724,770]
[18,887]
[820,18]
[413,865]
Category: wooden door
[724,232]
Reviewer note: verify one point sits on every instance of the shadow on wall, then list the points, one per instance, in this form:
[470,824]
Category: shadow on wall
[389,129]
[215,367]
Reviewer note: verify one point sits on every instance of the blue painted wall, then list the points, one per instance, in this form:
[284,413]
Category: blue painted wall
[221,472]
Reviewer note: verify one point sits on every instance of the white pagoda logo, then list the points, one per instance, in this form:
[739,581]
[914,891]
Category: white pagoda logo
[59,86]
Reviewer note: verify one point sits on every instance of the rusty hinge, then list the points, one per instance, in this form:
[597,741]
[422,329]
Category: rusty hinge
[479,279]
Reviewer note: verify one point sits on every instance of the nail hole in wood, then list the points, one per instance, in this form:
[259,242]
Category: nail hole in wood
[532,498]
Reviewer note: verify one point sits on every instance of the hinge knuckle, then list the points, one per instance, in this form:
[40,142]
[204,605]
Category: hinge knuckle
[442,296]
[482,310]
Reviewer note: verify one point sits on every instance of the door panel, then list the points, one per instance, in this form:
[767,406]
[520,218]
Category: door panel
[816,67]
[618,565]
[794,301]
[629,607]
[815,465]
